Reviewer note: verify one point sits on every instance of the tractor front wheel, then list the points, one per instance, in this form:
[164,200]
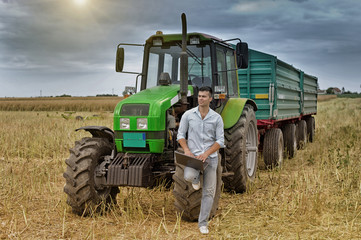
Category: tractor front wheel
[84,186]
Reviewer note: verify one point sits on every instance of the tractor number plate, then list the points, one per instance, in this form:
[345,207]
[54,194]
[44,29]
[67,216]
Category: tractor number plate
[133,139]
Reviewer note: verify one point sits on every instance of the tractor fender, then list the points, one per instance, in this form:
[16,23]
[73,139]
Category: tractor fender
[233,110]
[99,132]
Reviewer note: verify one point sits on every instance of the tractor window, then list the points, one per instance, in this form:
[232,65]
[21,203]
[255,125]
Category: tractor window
[227,72]
[232,73]
[167,59]
[167,63]
[152,70]
[222,71]
[199,66]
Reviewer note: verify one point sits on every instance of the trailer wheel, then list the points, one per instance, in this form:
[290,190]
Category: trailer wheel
[187,200]
[310,128]
[301,134]
[241,151]
[290,139]
[83,187]
[273,148]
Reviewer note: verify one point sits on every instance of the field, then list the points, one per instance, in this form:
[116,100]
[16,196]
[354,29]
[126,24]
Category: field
[316,195]
[59,104]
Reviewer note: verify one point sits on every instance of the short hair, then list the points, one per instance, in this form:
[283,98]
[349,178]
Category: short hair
[206,89]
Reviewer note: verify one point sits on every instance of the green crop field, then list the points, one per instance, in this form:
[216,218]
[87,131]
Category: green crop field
[316,195]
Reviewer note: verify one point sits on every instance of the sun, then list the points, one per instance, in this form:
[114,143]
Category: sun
[80,2]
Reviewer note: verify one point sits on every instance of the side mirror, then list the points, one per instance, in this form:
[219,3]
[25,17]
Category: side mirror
[242,55]
[119,62]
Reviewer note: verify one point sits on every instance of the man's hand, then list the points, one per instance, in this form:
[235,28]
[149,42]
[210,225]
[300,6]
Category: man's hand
[203,157]
[206,154]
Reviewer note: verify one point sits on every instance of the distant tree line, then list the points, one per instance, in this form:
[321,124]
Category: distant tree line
[106,95]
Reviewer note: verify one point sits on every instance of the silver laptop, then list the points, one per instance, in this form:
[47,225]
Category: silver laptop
[188,161]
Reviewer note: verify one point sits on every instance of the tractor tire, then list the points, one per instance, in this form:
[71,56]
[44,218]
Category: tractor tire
[273,148]
[241,151]
[301,134]
[187,200]
[290,139]
[310,128]
[85,194]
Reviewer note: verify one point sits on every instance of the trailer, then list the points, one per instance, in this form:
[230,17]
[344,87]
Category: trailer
[286,98]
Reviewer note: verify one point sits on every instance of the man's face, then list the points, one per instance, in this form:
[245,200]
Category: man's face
[204,98]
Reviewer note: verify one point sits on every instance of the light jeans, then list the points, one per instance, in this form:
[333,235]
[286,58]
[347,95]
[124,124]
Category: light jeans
[208,190]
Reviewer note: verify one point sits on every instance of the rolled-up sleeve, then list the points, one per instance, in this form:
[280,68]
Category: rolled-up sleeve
[220,132]
[183,127]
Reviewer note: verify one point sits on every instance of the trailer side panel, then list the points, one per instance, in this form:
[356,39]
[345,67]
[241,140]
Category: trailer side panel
[280,90]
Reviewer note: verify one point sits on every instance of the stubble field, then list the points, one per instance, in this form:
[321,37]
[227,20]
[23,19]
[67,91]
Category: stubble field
[316,195]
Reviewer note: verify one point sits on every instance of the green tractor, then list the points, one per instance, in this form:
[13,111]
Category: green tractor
[139,152]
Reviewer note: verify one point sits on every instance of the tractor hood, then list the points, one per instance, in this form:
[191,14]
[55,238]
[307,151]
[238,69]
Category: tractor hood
[159,99]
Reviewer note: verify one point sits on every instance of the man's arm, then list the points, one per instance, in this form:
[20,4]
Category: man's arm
[183,128]
[185,147]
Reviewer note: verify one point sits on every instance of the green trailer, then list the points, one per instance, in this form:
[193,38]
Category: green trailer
[286,98]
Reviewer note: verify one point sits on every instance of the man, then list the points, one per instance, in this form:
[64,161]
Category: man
[205,138]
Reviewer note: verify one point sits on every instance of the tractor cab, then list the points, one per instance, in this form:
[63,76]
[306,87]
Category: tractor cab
[211,62]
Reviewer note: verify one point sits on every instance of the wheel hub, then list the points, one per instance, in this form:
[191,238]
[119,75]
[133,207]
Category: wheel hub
[251,148]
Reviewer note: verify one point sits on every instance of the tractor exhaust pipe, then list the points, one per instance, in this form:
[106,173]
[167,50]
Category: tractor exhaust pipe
[184,62]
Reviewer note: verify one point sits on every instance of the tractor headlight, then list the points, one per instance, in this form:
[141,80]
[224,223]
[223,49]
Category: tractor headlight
[124,123]
[142,123]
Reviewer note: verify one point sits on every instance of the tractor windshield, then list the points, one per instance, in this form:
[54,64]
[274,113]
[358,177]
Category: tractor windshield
[167,59]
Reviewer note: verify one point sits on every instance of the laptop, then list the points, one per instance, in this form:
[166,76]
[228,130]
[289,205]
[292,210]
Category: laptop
[188,161]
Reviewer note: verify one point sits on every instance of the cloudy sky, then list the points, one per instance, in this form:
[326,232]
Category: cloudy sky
[68,46]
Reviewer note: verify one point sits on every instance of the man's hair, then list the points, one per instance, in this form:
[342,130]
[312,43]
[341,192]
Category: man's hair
[206,89]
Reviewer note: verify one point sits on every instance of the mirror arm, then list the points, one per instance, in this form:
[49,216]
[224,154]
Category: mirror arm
[233,39]
[130,44]
[136,82]
[131,72]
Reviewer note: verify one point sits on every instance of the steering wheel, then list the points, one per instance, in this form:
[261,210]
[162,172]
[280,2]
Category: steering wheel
[192,77]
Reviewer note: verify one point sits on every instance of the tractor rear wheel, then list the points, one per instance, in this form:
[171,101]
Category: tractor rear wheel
[301,134]
[187,200]
[84,188]
[273,148]
[290,139]
[310,128]
[241,151]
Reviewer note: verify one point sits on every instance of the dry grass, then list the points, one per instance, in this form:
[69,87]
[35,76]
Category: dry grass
[321,98]
[316,195]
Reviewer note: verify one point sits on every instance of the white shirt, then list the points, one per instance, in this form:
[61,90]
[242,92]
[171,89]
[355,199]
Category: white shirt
[202,133]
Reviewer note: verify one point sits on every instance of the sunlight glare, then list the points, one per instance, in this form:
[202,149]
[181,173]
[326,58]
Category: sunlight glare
[80,2]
